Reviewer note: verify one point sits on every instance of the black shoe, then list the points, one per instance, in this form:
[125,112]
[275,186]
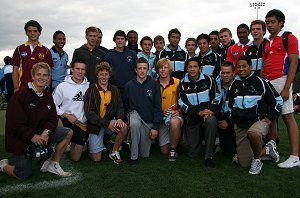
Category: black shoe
[209,163]
[133,162]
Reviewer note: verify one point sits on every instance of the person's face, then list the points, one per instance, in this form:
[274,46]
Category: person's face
[243,34]
[92,38]
[147,46]
[99,41]
[59,41]
[103,77]
[132,38]
[214,41]
[227,74]
[40,78]
[164,71]
[174,39]
[257,31]
[203,45]
[120,41]
[191,47]
[33,33]
[243,69]
[273,25]
[159,45]
[193,70]
[78,72]
[225,38]
[141,71]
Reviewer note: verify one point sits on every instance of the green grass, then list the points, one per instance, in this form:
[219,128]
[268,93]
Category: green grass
[157,177]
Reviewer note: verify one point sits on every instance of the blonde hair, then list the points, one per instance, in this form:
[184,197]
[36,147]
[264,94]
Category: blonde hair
[40,65]
[103,66]
[161,63]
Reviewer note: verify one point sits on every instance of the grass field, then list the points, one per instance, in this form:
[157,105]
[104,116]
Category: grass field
[155,177]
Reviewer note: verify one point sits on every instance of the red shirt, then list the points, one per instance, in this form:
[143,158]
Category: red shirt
[275,59]
[235,51]
[25,58]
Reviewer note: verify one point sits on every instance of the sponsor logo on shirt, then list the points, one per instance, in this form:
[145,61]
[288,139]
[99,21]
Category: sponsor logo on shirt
[41,56]
[149,92]
[129,59]
[23,54]
[78,97]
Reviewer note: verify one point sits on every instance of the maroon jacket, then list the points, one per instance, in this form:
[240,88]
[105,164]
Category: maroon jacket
[28,114]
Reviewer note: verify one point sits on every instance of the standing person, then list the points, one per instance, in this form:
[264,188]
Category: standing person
[69,100]
[215,43]
[99,41]
[279,66]
[199,98]
[121,60]
[191,46]
[226,41]
[27,54]
[146,44]
[254,104]
[238,49]
[169,129]
[210,62]
[31,119]
[90,53]
[104,111]
[143,107]
[159,44]
[258,30]
[60,59]
[175,54]
[7,71]
[132,37]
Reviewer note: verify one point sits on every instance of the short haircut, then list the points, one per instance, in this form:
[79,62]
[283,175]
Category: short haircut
[145,38]
[33,23]
[159,38]
[99,30]
[40,65]
[7,60]
[243,25]
[174,31]
[57,33]
[277,14]
[246,58]
[203,36]
[103,66]
[214,32]
[91,29]
[119,33]
[131,31]
[191,39]
[225,30]
[228,64]
[77,60]
[196,59]
[259,22]
[162,62]
[141,60]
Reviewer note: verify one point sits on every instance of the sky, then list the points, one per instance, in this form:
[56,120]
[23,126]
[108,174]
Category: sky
[147,17]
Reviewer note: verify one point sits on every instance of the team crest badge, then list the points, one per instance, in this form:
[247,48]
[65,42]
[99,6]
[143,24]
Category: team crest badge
[23,54]
[129,59]
[235,53]
[149,92]
[41,56]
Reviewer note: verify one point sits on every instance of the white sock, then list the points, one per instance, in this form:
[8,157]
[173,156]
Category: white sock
[294,157]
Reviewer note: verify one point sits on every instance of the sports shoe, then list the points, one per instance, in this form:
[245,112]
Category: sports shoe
[173,155]
[45,166]
[3,163]
[272,152]
[134,162]
[235,159]
[55,168]
[266,158]
[290,162]
[256,166]
[115,156]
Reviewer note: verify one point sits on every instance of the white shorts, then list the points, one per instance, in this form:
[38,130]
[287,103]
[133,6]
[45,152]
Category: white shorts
[278,84]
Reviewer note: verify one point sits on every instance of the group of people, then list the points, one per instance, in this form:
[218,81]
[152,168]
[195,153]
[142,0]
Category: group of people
[231,93]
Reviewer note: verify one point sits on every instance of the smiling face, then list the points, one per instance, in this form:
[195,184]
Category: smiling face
[59,41]
[227,74]
[33,34]
[193,69]
[120,42]
[103,77]
[164,70]
[141,71]
[257,31]
[243,69]
[225,38]
[40,78]
[78,72]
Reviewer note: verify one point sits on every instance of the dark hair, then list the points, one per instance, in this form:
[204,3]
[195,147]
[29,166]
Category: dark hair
[33,23]
[215,32]
[77,60]
[99,30]
[191,39]
[119,33]
[7,60]
[277,14]
[159,38]
[259,22]
[175,31]
[132,31]
[103,66]
[243,25]
[203,36]
[225,30]
[91,29]
[228,64]
[141,60]
[57,33]
[246,58]
[196,59]
[145,38]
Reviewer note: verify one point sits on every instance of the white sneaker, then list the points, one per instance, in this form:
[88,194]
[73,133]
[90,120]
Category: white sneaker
[45,166]
[290,162]
[55,168]
[256,166]
[3,163]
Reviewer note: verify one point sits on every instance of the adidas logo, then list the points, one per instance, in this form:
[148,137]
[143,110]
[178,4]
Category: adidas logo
[78,97]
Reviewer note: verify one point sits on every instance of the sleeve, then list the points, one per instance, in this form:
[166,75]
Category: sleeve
[215,97]
[292,44]
[58,99]
[184,103]
[48,58]
[16,59]
[75,55]
[229,56]
[52,119]
[157,107]
[120,107]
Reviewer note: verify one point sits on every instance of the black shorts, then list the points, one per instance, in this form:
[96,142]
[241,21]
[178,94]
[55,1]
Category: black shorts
[79,135]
